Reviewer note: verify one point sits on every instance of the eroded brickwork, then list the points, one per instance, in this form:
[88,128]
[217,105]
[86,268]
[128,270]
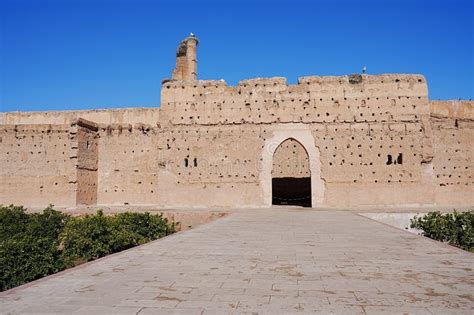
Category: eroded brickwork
[312,100]
[99,116]
[128,165]
[37,165]
[365,140]
[371,153]
[453,162]
[290,160]
[86,141]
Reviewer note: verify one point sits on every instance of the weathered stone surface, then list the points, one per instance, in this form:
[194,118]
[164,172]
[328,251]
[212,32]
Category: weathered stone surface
[369,140]
[100,116]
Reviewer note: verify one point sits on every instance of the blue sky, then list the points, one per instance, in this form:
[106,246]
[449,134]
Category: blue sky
[57,55]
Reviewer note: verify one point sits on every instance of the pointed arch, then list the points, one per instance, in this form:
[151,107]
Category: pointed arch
[291,175]
[302,134]
[290,159]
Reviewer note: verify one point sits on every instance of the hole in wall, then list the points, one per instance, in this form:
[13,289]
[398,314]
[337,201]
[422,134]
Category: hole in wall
[400,159]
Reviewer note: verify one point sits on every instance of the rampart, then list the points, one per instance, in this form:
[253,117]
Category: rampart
[361,140]
[100,116]
[356,98]
[43,164]
[453,137]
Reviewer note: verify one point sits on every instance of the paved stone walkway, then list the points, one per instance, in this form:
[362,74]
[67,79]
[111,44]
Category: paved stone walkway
[278,261]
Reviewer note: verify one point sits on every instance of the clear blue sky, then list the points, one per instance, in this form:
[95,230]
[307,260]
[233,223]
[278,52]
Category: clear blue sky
[58,55]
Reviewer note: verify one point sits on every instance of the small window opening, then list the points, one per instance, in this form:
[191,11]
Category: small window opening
[195,162]
[389,159]
[186,162]
[400,158]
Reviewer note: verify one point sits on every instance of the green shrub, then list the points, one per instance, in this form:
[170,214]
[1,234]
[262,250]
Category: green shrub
[49,223]
[86,238]
[24,259]
[93,236]
[13,220]
[29,245]
[132,229]
[455,228]
[34,245]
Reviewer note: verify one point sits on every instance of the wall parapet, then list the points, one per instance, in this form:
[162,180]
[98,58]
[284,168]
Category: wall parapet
[459,109]
[34,127]
[103,116]
[353,98]
[119,129]
[39,165]
[81,122]
[304,80]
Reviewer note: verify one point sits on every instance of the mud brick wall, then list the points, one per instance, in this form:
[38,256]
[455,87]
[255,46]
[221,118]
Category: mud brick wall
[37,165]
[365,141]
[128,165]
[100,116]
[86,141]
[453,162]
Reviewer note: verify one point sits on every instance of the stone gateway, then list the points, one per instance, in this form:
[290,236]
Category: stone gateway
[356,140]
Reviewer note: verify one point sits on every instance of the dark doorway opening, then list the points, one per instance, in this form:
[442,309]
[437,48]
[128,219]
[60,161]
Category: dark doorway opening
[291,191]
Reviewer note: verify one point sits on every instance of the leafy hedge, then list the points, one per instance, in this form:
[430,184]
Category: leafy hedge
[93,236]
[34,245]
[29,245]
[455,228]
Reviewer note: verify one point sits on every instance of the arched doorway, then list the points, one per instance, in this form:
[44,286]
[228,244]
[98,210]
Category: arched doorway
[291,175]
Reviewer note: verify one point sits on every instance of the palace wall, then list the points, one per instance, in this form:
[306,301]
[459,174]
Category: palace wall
[458,109]
[99,116]
[372,132]
[85,141]
[48,164]
[369,141]
[180,166]
[357,98]
[128,165]
[453,172]
[38,165]
[212,165]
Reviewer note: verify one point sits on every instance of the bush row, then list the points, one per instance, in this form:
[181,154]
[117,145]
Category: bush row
[455,228]
[34,245]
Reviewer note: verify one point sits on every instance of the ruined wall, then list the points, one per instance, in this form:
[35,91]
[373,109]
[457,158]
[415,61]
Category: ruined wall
[453,162]
[180,166]
[186,59]
[373,132]
[368,140]
[37,165]
[86,141]
[128,165]
[100,116]
[453,109]
[211,165]
[48,164]
[312,100]
[376,164]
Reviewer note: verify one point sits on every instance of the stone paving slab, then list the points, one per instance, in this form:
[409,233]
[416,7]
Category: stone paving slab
[276,261]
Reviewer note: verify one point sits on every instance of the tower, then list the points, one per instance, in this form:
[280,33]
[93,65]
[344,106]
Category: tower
[186,62]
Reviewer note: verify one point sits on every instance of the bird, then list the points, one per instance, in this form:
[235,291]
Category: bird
[191,34]
[364,69]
